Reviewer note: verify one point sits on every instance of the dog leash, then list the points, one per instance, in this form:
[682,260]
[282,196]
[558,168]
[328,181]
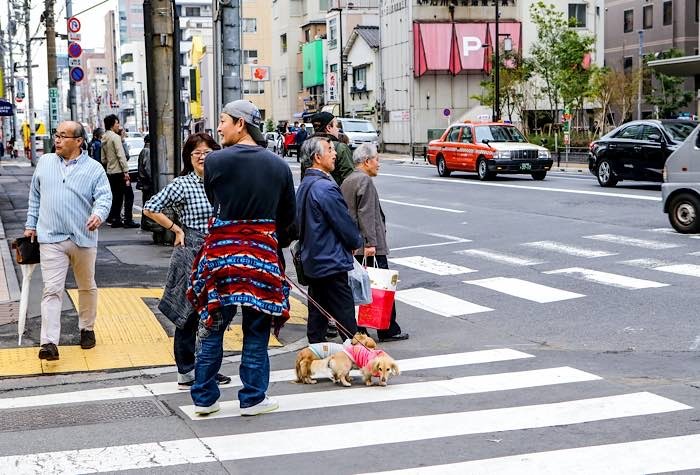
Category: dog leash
[323,311]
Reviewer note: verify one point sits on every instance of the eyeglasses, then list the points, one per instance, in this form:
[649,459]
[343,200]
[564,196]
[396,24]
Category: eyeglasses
[63,137]
[201,153]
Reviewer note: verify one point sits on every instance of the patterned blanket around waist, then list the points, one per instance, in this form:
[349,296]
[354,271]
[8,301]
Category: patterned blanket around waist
[238,265]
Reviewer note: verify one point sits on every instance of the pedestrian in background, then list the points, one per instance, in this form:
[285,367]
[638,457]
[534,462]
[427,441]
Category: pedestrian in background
[128,189]
[69,198]
[252,191]
[115,163]
[145,181]
[326,126]
[95,146]
[329,237]
[185,195]
[362,199]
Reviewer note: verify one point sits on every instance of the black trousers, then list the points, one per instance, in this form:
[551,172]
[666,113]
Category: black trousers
[184,344]
[117,184]
[394,328]
[128,203]
[334,295]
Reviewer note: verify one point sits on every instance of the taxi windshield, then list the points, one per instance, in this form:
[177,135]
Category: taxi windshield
[498,133]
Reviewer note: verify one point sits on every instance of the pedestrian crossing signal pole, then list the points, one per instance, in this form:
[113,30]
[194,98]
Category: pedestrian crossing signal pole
[30,87]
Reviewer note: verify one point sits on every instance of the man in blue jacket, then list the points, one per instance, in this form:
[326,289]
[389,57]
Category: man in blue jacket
[328,238]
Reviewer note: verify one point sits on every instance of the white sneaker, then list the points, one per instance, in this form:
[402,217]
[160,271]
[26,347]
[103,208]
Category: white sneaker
[266,405]
[206,410]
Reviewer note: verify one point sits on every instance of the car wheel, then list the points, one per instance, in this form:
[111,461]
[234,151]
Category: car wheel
[605,174]
[482,170]
[538,175]
[442,167]
[684,213]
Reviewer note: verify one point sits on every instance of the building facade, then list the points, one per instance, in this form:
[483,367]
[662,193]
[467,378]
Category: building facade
[258,45]
[363,79]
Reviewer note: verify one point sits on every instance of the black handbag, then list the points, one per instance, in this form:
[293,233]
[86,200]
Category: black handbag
[26,250]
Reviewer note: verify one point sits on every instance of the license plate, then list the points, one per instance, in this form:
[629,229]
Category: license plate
[526,166]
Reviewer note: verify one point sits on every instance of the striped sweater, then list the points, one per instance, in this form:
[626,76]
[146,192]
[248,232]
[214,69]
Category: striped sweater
[62,198]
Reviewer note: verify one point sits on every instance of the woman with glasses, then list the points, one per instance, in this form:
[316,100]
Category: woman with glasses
[185,195]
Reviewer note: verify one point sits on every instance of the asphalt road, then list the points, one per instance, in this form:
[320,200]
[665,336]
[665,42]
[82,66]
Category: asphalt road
[569,314]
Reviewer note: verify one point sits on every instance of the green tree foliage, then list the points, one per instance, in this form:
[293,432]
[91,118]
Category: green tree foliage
[667,92]
[269,125]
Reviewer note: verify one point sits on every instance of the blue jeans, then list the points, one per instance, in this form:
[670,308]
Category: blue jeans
[255,363]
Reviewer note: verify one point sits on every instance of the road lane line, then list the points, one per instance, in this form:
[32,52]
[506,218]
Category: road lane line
[562,248]
[438,303]
[305,440]
[432,266]
[607,278]
[418,246]
[645,263]
[692,270]
[500,257]
[536,188]
[524,289]
[413,205]
[672,454]
[399,392]
[630,241]
[158,389]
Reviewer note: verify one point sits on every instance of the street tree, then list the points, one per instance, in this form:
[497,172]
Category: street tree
[601,91]
[667,92]
[624,94]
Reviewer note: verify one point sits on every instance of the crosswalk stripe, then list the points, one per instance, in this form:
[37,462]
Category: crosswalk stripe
[157,389]
[630,241]
[695,253]
[399,392]
[607,278]
[692,270]
[432,266]
[305,440]
[438,303]
[562,248]
[524,289]
[500,257]
[671,454]
[645,263]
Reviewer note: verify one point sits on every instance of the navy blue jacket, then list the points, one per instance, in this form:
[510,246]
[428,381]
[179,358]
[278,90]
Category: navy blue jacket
[330,234]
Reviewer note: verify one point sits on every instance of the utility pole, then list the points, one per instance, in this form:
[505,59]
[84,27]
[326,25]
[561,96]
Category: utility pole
[227,63]
[641,74]
[11,32]
[72,103]
[51,55]
[497,66]
[30,87]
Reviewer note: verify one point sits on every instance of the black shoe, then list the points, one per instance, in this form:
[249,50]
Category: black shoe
[399,337]
[48,352]
[132,225]
[87,339]
[110,220]
[117,224]
[221,379]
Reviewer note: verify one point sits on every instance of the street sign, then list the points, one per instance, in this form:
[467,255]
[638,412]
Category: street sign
[6,108]
[73,36]
[73,25]
[74,50]
[77,74]
[446,112]
[53,107]
[74,62]
[332,88]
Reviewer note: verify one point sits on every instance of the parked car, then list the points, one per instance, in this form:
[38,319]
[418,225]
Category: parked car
[273,141]
[637,150]
[487,148]
[135,145]
[680,191]
[359,131]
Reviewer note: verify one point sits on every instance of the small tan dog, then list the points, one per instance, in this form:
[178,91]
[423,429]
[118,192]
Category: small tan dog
[314,358]
[372,363]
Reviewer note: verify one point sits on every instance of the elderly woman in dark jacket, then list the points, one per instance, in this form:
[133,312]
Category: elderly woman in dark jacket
[186,196]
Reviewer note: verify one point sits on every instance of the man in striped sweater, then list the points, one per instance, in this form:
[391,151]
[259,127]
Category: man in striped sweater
[68,200]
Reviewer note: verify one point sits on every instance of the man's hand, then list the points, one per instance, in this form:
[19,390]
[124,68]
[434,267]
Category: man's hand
[30,233]
[370,251]
[92,223]
[179,236]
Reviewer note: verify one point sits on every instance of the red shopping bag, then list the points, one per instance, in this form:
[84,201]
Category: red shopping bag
[378,313]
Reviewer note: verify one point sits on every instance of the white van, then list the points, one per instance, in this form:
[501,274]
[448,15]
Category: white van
[680,191]
[359,131]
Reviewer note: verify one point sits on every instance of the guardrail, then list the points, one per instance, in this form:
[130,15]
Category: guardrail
[577,155]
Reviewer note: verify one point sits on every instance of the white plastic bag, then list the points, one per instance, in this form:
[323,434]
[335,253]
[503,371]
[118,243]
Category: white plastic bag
[358,279]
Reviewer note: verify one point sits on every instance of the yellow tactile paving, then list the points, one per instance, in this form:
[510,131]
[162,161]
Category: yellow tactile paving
[128,336]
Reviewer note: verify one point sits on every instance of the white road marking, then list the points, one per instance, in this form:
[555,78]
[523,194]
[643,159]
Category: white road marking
[672,454]
[413,205]
[500,257]
[536,188]
[694,253]
[305,440]
[562,248]
[400,392]
[630,241]
[432,266]
[606,278]
[418,246]
[692,270]
[524,289]
[448,236]
[645,263]
[438,303]
[157,389]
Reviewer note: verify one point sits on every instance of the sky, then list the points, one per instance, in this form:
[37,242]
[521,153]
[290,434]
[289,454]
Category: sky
[91,30]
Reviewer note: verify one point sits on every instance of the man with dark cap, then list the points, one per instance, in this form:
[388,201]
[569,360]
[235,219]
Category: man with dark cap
[252,192]
[326,126]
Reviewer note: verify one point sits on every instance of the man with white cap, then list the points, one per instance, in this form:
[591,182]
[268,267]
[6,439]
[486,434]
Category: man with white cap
[252,192]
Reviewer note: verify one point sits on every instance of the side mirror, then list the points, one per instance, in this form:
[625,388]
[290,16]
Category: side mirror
[655,138]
